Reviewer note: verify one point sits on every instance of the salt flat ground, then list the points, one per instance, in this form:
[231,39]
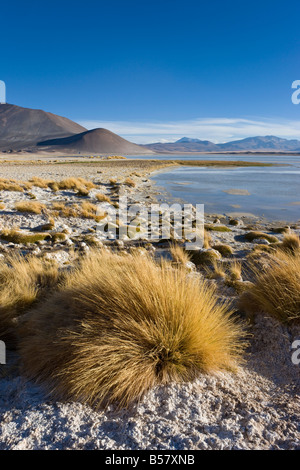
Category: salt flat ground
[256,408]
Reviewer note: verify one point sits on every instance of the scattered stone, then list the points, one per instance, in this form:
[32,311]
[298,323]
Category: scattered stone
[260,241]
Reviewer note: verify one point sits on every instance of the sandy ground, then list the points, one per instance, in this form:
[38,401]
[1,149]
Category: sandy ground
[256,408]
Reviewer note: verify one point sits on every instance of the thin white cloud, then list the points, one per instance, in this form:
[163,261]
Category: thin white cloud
[215,129]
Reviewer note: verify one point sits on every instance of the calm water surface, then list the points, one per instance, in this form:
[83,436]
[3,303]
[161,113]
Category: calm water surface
[272,192]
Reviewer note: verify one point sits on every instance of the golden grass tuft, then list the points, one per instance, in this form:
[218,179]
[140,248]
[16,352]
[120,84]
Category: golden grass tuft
[179,254]
[103,198]
[40,182]
[216,270]
[86,210]
[250,236]
[276,289]
[54,186]
[235,270]
[82,191]
[16,236]
[23,281]
[10,185]
[30,206]
[121,325]
[129,182]
[290,243]
[217,228]
[207,240]
[76,184]
[58,237]
[224,250]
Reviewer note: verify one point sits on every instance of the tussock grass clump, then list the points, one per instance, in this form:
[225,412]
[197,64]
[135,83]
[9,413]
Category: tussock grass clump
[19,237]
[50,225]
[217,228]
[23,281]
[290,243]
[58,237]
[61,209]
[86,210]
[233,222]
[129,182]
[10,185]
[265,248]
[82,192]
[276,289]
[207,239]
[280,229]
[40,182]
[179,254]
[216,270]
[54,186]
[33,207]
[224,250]
[103,198]
[250,236]
[235,270]
[204,257]
[92,240]
[76,184]
[123,324]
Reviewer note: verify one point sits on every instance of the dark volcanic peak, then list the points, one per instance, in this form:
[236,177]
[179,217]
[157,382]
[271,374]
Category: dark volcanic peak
[24,127]
[96,141]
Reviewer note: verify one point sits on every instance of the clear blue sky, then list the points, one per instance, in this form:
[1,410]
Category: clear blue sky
[166,61]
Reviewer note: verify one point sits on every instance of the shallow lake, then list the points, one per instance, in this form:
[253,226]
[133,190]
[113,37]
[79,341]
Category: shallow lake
[271,192]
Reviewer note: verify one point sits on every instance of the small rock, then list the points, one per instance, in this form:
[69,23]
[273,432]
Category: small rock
[260,241]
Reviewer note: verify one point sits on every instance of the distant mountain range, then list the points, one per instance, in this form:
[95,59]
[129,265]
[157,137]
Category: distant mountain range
[34,130]
[268,143]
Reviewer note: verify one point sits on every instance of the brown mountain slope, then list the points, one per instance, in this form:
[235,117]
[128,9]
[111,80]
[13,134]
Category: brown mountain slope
[23,127]
[100,141]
